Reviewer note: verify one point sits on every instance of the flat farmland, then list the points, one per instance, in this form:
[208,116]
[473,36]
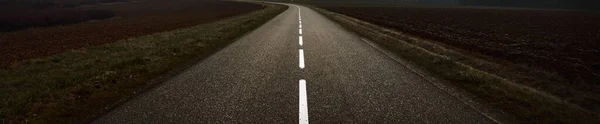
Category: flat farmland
[76,71]
[131,19]
[563,44]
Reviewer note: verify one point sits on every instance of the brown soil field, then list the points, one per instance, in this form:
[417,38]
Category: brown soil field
[131,19]
[12,19]
[561,43]
[23,14]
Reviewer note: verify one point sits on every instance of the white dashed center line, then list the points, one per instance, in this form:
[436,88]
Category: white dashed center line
[300,40]
[301,58]
[303,114]
[303,106]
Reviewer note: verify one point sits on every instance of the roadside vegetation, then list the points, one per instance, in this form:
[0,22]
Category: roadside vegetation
[83,82]
[539,65]
[128,19]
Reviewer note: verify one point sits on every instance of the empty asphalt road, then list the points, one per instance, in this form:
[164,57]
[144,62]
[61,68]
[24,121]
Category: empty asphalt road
[299,67]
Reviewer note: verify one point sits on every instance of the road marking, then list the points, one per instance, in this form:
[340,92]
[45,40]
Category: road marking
[300,40]
[301,57]
[299,17]
[303,106]
[303,110]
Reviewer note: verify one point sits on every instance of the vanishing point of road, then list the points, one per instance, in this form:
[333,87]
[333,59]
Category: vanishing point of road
[299,67]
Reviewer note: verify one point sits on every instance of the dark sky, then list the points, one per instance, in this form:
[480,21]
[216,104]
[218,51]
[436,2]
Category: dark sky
[561,4]
[553,4]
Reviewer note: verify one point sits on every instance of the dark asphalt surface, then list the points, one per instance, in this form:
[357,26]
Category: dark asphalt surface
[255,80]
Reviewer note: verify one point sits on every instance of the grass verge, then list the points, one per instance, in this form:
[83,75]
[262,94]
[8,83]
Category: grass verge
[526,104]
[77,86]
